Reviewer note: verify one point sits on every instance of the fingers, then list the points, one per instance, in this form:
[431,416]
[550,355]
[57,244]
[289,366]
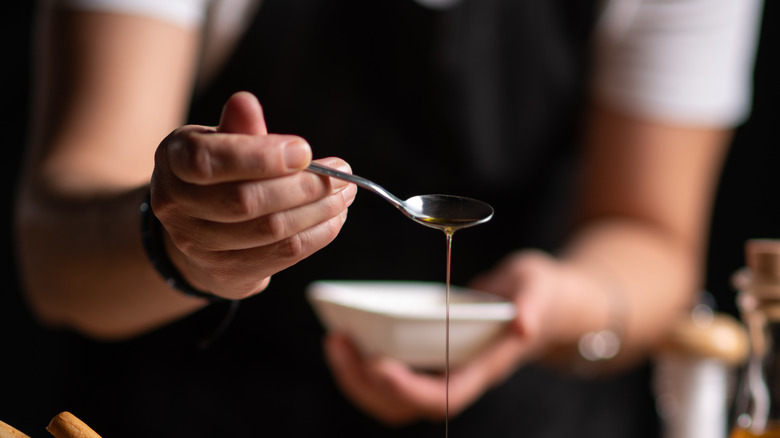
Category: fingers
[396,394]
[235,205]
[200,155]
[529,278]
[536,283]
[237,274]
[245,200]
[231,257]
[242,114]
[239,148]
[424,393]
[370,391]
[223,231]
[489,368]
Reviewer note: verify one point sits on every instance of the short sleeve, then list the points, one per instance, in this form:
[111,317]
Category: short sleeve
[185,13]
[686,61]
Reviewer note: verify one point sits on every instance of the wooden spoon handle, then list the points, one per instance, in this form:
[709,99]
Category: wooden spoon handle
[6,431]
[66,425]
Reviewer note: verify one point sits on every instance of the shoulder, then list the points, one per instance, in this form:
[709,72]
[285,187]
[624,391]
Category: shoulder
[683,60]
[185,13]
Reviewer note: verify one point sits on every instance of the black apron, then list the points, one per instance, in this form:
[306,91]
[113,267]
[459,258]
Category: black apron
[483,100]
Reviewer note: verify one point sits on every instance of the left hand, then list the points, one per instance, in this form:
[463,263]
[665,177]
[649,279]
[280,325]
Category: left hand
[397,394]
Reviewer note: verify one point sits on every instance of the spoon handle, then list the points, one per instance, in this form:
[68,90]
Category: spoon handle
[358,180]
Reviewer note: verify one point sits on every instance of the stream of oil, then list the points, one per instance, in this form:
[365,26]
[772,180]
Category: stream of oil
[448,232]
[449,226]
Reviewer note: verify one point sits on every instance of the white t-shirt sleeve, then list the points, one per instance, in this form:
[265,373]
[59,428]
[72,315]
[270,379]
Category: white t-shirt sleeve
[684,61]
[185,13]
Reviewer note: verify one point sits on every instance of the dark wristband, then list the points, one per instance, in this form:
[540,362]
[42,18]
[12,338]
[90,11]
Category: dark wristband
[151,236]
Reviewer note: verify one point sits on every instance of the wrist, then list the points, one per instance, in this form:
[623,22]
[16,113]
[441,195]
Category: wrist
[153,238]
[600,339]
[590,311]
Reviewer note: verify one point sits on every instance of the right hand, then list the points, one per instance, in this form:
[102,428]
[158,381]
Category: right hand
[235,204]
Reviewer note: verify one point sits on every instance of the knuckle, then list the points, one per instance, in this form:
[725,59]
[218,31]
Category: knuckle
[332,208]
[272,227]
[162,205]
[334,227]
[194,157]
[275,226]
[292,248]
[335,205]
[311,186]
[245,201]
[184,241]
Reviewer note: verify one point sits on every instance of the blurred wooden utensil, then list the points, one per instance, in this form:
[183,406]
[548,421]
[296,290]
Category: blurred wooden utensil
[66,425]
[6,431]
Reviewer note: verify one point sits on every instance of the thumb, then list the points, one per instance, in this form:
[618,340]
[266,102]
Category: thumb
[242,114]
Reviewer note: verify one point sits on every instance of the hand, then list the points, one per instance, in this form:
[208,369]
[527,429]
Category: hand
[396,394]
[557,301]
[235,204]
[535,282]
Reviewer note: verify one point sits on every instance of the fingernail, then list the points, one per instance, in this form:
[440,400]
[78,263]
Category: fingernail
[349,194]
[297,154]
[336,183]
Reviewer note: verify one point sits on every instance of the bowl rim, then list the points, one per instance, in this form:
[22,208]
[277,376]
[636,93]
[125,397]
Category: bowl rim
[337,292]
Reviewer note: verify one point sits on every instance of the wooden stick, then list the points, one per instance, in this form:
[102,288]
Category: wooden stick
[66,425]
[6,431]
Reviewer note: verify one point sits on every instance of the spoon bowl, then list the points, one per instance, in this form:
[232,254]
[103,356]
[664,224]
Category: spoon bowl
[447,211]
[444,212]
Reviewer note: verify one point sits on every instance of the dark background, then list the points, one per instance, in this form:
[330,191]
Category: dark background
[748,203]
[20,352]
[747,207]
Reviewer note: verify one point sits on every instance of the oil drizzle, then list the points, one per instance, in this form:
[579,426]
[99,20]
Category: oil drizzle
[448,232]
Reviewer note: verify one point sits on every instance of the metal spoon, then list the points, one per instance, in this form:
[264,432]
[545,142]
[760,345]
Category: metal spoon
[444,212]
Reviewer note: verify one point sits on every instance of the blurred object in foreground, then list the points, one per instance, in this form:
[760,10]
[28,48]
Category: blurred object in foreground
[8,431]
[694,372]
[64,425]
[758,299]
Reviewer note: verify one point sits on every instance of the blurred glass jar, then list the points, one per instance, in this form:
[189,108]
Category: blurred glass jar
[758,285]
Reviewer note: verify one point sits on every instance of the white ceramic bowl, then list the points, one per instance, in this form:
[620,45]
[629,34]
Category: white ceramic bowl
[407,320]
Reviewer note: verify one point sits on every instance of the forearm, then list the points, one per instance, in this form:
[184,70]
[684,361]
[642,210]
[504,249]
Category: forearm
[108,88]
[83,266]
[643,223]
[639,280]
